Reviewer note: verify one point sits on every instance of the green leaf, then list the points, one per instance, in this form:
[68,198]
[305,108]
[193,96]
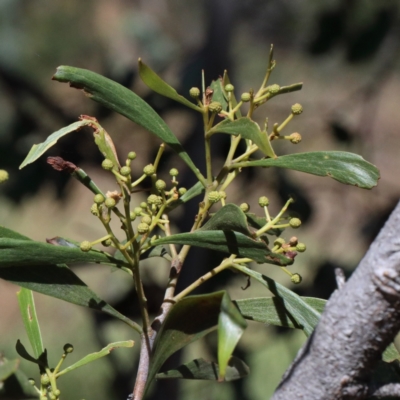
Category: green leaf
[302,313]
[228,242]
[228,218]
[391,354]
[231,326]
[31,323]
[122,100]
[272,310]
[95,356]
[207,370]
[56,281]
[248,129]
[181,328]
[38,149]
[155,83]
[18,253]
[7,368]
[344,167]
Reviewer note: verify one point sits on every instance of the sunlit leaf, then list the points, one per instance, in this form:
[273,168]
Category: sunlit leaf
[95,356]
[122,100]
[207,370]
[248,129]
[344,167]
[39,149]
[302,313]
[228,242]
[31,323]
[231,326]
[155,83]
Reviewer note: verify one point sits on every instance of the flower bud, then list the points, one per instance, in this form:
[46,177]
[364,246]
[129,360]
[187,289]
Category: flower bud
[160,185]
[295,138]
[173,172]
[132,215]
[85,246]
[296,278]
[138,211]
[194,92]
[222,194]
[244,207]
[68,348]
[263,201]
[146,219]
[106,243]
[214,197]
[215,107]
[301,247]
[245,97]
[131,155]
[143,205]
[99,199]
[182,191]
[32,381]
[297,109]
[3,175]
[110,202]
[149,170]
[229,88]
[107,164]
[143,228]
[95,210]
[279,241]
[154,199]
[44,380]
[57,393]
[125,171]
[274,88]
[294,223]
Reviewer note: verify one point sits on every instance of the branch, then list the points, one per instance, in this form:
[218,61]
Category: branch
[360,320]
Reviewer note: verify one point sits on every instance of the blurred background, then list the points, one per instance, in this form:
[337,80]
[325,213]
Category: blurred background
[345,52]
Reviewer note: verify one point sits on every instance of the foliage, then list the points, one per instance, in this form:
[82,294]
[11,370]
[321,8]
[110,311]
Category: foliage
[219,225]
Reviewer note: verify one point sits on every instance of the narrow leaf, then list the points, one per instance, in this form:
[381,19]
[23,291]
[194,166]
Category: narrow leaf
[39,149]
[17,253]
[302,313]
[248,129]
[7,368]
[155,83]
[95,356]
[31,323]
[344,167]
[122,100]
[180,327]
[228,218]
[228,242]
[207,370]
[231,326]
[272,311]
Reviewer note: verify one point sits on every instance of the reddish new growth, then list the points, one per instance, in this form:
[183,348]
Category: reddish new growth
[61,165]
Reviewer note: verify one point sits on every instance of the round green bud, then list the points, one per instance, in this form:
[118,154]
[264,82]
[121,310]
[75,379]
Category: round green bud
[149,170]
[244,207]
[94,210]
[146,219]
[297,109]
[132,215]
[52,396]
[131,155]
[43,397]
[263,201]
[160,185]
[294,222]
[3,175]
[301,247]
[99,199]
[32,381]
[274,88]
[143,205]
[279,241]
[182,191]
[296,278]
[44,380]
[173,172]
[57,392]
[194,92]
[107,164]
[68,348]
[85,246]
[222,194]
[143,228]
[110,202]
[214,197]
[125,171]
[245,97]
[138,210]
[154,199]
[106,243]
[229,88]
[295,138]
[215,107]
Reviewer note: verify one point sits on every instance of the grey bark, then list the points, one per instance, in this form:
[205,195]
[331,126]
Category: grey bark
[360,320]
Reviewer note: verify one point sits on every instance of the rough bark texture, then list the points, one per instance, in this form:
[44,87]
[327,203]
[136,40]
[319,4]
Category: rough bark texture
[360,320]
